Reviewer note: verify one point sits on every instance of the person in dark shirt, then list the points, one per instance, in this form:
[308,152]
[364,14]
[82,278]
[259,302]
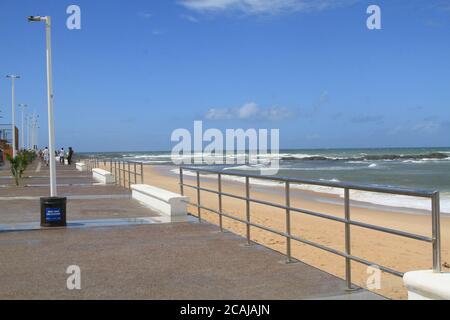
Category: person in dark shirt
[69,156]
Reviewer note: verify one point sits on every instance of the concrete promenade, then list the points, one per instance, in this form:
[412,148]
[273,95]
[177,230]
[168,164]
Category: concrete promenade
[127,251]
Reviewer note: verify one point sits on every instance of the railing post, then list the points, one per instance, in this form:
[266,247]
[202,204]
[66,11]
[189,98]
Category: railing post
[247,208]
[135,172]
[129,176]
[436,230]
[142,172]
[198,198]
[110,165]
[288,222]
[181,182]
[119,173]
[115,171]
[124,174]
[348,250]
[219,189]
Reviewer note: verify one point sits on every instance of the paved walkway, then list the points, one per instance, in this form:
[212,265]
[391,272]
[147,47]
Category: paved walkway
[126,251]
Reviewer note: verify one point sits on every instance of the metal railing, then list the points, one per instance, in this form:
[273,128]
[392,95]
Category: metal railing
[435,240]
[91,163]
[125,173]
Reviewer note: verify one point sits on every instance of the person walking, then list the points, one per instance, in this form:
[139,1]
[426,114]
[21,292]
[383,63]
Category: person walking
[69,156]
[45,155]
[61,155]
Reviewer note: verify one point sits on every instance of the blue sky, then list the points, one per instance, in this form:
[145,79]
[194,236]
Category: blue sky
[137,70]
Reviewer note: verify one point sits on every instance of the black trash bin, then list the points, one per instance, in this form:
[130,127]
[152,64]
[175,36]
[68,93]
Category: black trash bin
[53,212]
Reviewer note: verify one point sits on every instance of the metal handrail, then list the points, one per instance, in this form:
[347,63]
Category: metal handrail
[435,240]
[122,170]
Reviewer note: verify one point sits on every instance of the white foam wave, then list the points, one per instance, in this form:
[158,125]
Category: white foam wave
[398,201]
[156,161]
[413,161]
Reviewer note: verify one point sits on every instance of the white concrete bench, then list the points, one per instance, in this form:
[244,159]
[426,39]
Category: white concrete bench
[102,176]
[81,166]
[166,202]
[427,285]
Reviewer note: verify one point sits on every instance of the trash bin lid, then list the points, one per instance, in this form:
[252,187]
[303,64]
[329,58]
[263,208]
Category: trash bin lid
[53,200]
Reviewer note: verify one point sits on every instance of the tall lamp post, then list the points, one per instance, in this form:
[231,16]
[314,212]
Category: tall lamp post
[34,126]
[36,138]
[13,77]
[29,130]
[27,125]
[53,209]
[51,130]
[23,106]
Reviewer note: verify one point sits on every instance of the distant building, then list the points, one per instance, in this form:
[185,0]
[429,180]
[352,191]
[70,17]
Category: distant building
[6,141]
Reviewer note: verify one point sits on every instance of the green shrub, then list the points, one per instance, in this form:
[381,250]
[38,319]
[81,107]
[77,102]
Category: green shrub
[20,163]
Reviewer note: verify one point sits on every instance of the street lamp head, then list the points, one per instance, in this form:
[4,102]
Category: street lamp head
[35,18]
[12,76]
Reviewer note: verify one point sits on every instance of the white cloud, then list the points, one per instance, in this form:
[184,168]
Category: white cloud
[424,127]
[427,127]
[219,114]
[189,18]
[157,32]
[263,6]
[145,15]
[249,111]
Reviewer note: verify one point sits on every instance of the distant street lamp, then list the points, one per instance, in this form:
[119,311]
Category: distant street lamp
[2,132]
[51,130]
[37,137]
[34,126]
[29,130]
[13,77]
[27,125]
[23,106]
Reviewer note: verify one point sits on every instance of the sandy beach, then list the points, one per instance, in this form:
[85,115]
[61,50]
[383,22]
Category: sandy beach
[388,250]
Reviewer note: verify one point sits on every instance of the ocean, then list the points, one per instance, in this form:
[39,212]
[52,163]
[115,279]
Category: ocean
[418,168]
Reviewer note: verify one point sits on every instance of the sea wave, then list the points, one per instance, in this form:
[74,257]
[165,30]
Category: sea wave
[358,158]
[388,200]
[255,167]
[426,156]
[321,169]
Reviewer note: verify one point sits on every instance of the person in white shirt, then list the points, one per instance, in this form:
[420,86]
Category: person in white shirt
[45,153]
[61,155]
